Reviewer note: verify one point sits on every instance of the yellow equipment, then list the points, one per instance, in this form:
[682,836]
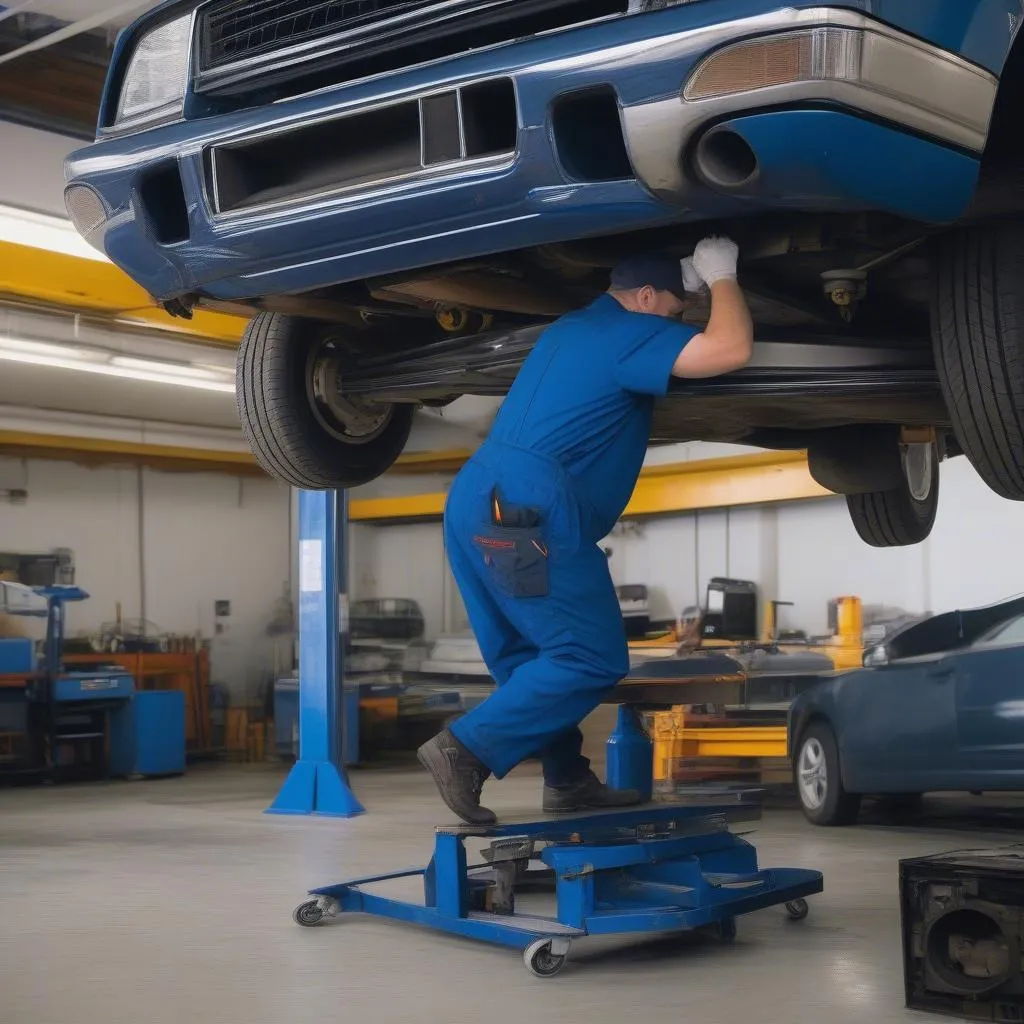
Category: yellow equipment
[723,747]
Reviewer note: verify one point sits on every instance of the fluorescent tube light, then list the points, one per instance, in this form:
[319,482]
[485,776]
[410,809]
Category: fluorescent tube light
[175,369]
[61,357]
[29,347]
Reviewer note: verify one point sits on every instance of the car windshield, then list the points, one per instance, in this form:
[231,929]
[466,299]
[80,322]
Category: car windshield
[1010,632]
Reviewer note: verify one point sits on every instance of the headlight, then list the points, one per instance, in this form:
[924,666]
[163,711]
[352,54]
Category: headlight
[875,657]
[86,210]
[154,80]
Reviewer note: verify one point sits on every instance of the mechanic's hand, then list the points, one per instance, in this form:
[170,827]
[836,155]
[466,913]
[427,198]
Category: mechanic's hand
[692,281]
[715,259]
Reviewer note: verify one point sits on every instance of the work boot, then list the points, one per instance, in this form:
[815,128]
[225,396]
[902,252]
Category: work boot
[588,794]
[460,777]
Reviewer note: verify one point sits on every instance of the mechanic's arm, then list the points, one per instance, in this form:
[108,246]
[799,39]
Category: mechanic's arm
[727,342]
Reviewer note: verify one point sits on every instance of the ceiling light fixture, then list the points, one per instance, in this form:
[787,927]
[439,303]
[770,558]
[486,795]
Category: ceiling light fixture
[54,351]
[108,364]
[188,370]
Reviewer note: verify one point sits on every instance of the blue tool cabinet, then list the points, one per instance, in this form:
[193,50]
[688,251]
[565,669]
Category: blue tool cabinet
[148,736]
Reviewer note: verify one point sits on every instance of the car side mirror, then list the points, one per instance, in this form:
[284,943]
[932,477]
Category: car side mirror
[874,657]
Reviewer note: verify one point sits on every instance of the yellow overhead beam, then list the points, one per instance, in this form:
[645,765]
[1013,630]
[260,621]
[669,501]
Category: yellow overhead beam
[661,490]
[397,510]
[723,483]
[446,461]
[94,451]
[76,284]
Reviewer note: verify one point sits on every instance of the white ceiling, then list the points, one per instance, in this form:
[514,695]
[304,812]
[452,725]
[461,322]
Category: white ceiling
[80,10]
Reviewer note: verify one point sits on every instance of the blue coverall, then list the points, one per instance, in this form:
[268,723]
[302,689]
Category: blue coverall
[568,443]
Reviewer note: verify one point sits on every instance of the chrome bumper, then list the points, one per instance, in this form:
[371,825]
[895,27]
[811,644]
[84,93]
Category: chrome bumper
[902,80]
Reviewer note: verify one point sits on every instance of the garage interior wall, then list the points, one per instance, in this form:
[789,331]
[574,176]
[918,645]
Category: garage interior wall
[796,551]
[35,180]
[204,537]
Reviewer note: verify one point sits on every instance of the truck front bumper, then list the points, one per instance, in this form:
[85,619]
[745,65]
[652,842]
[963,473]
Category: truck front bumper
[858,119]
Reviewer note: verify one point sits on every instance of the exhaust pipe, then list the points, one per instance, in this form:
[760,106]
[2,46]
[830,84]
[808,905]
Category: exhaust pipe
[724,160]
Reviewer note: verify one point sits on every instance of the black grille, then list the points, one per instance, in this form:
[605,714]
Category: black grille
[241,41]
[243,29]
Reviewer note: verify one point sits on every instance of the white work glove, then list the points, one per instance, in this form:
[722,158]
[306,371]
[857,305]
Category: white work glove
[715,259]
[692,281]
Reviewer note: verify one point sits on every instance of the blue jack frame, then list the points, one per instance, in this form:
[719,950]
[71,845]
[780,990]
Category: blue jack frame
[328,716]
[660,868]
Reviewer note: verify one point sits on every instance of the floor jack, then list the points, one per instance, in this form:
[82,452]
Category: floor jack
[659,868]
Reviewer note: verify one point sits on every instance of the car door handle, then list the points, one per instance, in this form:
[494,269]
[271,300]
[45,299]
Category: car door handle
[940,671]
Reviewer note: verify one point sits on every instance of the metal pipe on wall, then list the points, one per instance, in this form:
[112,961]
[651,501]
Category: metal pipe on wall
[141,489]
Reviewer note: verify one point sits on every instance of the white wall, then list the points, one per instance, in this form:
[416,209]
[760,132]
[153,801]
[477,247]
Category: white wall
[403,561]
[34,180]
[205,538]
[804,552]
[974,556]
[676,556]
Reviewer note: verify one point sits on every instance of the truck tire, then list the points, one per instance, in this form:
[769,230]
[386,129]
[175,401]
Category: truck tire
[977,316]
[904,514]
[296,437]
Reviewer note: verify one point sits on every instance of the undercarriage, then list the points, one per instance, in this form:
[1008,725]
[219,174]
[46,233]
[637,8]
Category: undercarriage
[879,348]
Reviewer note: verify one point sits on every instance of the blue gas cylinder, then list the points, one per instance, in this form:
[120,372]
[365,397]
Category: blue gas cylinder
[630,755]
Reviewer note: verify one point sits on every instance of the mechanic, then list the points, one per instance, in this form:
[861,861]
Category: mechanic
[525,514]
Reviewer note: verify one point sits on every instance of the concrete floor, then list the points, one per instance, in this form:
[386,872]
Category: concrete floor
[170,901]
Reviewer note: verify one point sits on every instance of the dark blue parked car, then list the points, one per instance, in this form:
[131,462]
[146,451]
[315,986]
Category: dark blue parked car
[938,706]
[403,192]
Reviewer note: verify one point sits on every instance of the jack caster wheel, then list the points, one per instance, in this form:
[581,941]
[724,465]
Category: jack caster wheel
[797,909]
[541,961]
[309,914]
[727,930]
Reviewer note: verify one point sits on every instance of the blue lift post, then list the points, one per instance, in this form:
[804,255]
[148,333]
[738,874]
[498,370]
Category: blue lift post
[318,782]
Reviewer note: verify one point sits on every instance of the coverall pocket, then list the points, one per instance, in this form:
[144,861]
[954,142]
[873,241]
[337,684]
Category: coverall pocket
[517,559]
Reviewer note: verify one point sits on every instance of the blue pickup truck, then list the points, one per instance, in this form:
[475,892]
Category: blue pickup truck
[402,193]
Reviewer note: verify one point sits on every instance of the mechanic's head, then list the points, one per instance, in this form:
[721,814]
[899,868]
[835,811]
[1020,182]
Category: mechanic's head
[650,284]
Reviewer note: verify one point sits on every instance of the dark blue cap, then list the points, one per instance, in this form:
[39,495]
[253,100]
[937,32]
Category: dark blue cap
[657,271]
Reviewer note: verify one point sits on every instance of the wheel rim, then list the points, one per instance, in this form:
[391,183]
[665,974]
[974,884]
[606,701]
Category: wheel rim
[813,774]
[917,468]
[310,913]
[352,419]
[544,960]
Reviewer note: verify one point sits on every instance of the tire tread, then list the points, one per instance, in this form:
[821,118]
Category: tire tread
[978,333]
[276,420]
[887,519]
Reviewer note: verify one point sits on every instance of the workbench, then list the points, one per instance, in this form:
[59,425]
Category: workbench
[187,672]
[66,718]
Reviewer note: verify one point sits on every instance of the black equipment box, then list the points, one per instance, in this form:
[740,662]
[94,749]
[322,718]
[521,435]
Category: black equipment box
[963,933]
[730,611]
